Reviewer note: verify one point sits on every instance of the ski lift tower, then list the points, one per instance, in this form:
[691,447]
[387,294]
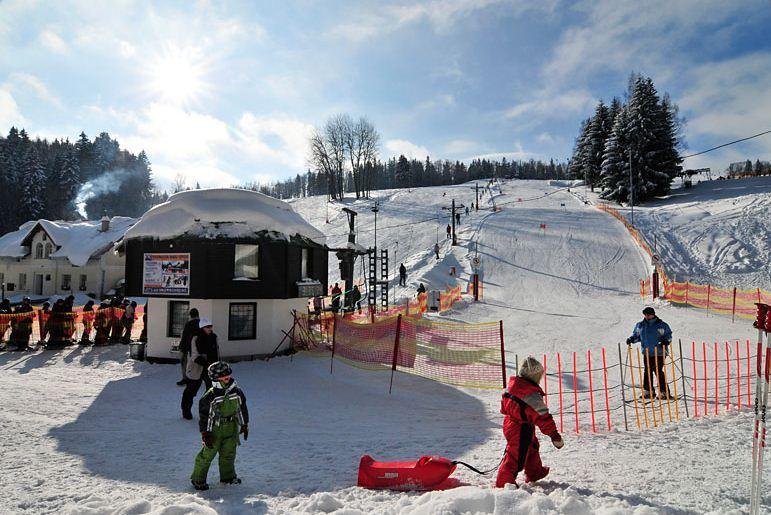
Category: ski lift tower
[376,279]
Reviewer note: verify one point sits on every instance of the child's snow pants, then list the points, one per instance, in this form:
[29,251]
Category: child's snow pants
[225,444]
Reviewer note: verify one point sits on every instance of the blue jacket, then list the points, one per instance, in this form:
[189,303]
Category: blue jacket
[652,334]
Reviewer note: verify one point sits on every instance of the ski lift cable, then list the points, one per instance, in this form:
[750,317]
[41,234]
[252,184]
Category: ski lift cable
[726,144]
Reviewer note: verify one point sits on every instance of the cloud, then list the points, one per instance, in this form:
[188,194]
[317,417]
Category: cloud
[439,101]
[27,81]
[460,146]
[545,138]
[552,105]
[9,110]
[53,42]
[279,140]
[207,175]
[397,147]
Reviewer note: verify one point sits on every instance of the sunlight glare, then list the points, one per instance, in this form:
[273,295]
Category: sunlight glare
[177,75]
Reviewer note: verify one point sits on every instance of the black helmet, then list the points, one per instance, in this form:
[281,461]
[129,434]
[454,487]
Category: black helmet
[649,311]
[219,369]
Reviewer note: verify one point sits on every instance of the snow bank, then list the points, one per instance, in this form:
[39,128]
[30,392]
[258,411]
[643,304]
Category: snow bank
[229,213]
[75,241]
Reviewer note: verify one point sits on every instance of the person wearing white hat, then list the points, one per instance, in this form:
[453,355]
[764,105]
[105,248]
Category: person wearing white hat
[203,353]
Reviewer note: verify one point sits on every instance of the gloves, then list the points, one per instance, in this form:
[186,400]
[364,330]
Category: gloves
[245,431]
[200,360]
[629,341]
[556,440]
[208,439]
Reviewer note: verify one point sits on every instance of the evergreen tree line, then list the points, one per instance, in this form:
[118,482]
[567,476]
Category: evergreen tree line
[630,147]
[411,173]
[41,179]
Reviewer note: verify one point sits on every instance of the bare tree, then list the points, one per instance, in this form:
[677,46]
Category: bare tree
[179,183]
[362,145]
[327,153]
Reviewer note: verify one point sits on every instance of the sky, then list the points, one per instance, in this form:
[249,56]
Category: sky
[222,93]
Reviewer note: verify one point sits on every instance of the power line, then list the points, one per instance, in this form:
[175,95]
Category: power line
[726,144]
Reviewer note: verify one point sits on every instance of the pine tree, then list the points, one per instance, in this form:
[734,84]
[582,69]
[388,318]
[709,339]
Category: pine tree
[402,172]
[32,187]
[597,133]
[614,178]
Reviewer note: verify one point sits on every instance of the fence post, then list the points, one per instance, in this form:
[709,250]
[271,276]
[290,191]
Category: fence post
[396,350]
[728,377]
[709,289]
[503,355]
[733,309]
[559,384]
[591,388]
[682,377]
[623,393]
[706,379]
[717,380]
[575,390]
[334,340]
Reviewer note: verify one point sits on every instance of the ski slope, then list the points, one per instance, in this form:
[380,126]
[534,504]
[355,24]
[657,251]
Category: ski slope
[90,431]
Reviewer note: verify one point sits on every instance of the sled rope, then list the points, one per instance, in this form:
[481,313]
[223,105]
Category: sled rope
[481,473]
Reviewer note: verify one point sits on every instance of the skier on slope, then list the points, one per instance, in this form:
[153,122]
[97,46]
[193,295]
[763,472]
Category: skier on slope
[402,275]
[222,417]
[654,336]
[523,405]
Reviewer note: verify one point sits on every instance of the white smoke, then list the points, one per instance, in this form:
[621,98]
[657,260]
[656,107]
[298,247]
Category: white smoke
[108,182]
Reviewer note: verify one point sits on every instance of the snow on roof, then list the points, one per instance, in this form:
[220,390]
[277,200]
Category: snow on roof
[76,241]
[225,212]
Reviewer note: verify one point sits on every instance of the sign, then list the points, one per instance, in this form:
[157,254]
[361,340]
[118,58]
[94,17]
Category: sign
[166,274]
[476,262]
[655,259]
[307,289]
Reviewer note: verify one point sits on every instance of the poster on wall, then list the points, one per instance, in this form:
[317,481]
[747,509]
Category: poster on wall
[166,274]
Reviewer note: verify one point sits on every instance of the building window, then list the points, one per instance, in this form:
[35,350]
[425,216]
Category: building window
[178,316]
[48,251]
[242,322]
[39,251]
[246,262]
[83,282]
[22,281]
[66,282]
[306,268]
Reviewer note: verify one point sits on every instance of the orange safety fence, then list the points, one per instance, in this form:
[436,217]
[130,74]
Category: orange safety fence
[460,354]
[725,301]
[40,326]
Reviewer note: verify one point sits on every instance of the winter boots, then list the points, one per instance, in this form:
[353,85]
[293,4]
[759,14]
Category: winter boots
[200,485]
[234,481]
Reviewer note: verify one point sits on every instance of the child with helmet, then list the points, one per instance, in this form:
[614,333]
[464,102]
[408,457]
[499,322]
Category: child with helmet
[222,417]
[524,407]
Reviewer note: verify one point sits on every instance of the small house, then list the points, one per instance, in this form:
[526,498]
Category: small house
[243,259]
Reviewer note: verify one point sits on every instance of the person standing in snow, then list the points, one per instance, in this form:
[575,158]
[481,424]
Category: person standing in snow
[5,318]
[356,298]
[421,289]
[129,314]
[524,407]
[204,352]
[336,293]
[654,336]
[436,250]
[449,231]
[457,218]
[402,275]
[185,342]
[88,322]
[23,327]
[223,415]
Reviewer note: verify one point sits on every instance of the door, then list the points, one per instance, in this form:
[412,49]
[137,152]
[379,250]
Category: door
[38,284]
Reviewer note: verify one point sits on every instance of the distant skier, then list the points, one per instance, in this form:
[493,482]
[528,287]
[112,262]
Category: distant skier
[436,250]
[223,415]
[523,405]
[402,275]
[466,210]
[449,231]
[23,327]
[356,298]
[421,289]
[654,336]
[88,322]
[457,218]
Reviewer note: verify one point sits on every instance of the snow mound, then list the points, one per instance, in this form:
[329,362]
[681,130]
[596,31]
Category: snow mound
[225,212]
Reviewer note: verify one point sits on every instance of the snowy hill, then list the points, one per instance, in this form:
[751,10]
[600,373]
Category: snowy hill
[89,431]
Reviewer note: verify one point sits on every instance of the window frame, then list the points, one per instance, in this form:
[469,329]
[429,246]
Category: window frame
[66,282]
[49,249]
[39,251]
[253,316]
[236,265]
[170,317]
[83,282]
[22,283]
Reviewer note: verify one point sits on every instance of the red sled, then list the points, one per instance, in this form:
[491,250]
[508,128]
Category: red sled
[427,473]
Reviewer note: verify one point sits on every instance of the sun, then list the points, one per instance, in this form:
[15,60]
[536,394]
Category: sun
[177,75]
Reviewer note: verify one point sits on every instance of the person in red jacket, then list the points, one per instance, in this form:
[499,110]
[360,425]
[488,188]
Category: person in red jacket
[525,409]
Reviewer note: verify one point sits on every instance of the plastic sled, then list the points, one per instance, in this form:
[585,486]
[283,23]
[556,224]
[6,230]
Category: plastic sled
[426,473]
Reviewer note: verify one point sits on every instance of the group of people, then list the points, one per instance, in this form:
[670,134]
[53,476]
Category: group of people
[222,413]
[524,409]
[57,324]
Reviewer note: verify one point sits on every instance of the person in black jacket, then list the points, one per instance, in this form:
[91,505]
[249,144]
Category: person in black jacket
[188,332]
[204,351]
[402,275]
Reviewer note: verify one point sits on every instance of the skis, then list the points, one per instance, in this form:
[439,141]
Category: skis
[763,324]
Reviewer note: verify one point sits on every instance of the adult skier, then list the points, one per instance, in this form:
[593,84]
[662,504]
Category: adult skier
[223,415]
[23,327]
[204,352]
[654,336]
[523,405]
[402,275]
[88,322]
[186,341]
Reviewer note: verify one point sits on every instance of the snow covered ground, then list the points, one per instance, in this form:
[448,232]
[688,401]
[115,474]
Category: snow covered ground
[91,431]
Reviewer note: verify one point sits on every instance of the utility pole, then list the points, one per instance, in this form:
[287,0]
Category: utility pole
[631,186]
[452,216]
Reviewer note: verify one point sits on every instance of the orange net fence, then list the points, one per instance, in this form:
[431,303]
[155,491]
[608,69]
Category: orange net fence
[100,326]
[460,354]
[733,301]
